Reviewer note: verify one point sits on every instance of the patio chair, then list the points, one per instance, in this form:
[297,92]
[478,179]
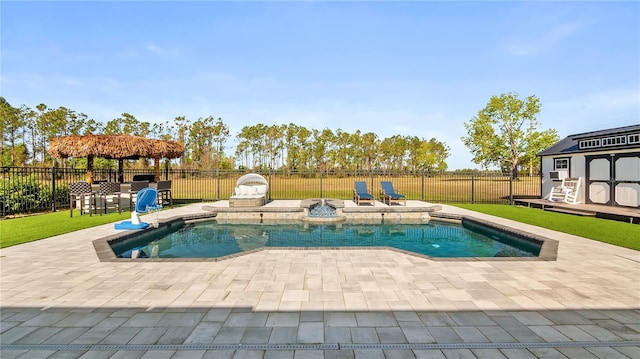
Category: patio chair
[109,195]
[81,193]
[361,194]
[146,202]
[388,194]
[164,192]
[567,192]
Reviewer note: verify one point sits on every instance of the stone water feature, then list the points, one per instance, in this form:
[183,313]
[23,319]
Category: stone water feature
[322,210]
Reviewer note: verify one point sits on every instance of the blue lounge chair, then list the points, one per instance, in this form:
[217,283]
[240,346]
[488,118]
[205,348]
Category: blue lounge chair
[361,194]
[146,202]
[388,194]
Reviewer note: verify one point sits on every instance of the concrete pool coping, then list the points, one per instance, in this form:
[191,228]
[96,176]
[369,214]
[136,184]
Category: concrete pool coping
[58,299]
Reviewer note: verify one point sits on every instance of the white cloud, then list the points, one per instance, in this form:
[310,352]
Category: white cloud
[154,48]
[593,111]
[602,101]
[542,41]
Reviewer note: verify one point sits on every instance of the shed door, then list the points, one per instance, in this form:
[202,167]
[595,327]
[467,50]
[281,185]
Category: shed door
[614,179]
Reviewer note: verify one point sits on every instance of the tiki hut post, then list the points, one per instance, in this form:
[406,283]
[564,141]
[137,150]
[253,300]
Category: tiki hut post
[156,168]
[90,169]
[120,170]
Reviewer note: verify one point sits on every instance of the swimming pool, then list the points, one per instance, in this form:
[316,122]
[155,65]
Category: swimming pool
[210,239]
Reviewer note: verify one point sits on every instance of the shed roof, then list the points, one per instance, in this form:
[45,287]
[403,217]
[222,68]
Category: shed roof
[570,143]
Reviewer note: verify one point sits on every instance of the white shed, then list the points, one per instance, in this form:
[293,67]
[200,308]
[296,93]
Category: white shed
[607,162]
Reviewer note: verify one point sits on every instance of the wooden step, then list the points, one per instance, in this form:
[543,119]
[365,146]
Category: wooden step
[576,212]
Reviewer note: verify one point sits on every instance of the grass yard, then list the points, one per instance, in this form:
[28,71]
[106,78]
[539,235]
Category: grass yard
[622,234]
[32,228]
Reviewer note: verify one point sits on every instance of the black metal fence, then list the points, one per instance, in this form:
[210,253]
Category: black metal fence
[33,189]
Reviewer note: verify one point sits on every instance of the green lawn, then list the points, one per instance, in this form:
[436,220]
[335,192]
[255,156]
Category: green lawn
[622,234]
[31,228]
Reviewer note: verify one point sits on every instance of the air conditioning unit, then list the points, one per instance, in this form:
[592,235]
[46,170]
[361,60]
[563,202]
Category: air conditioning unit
[558,175]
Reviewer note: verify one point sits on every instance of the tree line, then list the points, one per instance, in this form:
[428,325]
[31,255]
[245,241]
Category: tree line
[26,133]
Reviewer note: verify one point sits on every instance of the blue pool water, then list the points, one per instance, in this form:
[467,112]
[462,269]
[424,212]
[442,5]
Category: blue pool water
[437,239]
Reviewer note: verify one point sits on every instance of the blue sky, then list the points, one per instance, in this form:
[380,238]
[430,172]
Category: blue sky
[410,68]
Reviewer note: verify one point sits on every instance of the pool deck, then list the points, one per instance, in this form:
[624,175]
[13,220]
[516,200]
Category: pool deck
[58,300]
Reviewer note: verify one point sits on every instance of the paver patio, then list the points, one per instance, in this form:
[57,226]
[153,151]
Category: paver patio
[59,300]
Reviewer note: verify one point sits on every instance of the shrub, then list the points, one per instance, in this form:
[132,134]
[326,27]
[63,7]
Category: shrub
[25,193]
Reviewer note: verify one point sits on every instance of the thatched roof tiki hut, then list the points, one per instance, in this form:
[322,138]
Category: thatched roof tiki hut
[120,147]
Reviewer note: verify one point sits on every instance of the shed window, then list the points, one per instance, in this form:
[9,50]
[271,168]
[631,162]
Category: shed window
[561,163]
[614,141]
[589,143]
[635,138]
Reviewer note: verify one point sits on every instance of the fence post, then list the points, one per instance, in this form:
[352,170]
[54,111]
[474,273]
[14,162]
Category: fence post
[473,188]
[270,183]
[218,175]
[511,189]
[371,178]
[53,188]
[422,186]
[3,189]
[321,171]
